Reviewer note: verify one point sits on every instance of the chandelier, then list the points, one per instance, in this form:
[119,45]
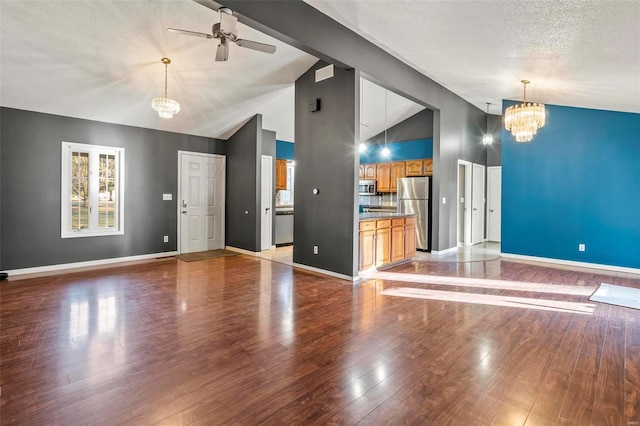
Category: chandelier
[487,138]
[165,107]
[524,120]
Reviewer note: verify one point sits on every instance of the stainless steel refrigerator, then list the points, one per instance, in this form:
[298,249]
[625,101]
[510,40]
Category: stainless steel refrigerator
[413,197]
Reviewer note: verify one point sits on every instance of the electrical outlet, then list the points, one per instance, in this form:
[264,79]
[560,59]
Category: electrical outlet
[166,238]
[315,249]
[581,247]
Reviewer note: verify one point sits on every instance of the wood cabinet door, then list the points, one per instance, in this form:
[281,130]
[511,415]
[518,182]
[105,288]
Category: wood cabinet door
[370,171]
[397,243]
[398,171]
[383,246]
[427,167]
[409,241]
[281,174]
[414,167]
[361,171]
[383,177]
[367,249]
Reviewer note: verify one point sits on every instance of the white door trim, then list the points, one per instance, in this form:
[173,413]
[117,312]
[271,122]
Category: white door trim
[179,193]
[467,214]
[479,227]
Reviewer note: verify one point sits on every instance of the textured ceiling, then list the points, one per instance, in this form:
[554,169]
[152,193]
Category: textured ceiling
[579,53]
[100,60]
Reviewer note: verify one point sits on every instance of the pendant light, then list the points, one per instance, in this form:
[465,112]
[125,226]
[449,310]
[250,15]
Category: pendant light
[524,120]
[487,138]
[385,151]
[363,145]
[165,107]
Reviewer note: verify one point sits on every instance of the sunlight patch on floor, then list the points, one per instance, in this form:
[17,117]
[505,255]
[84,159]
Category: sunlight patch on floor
[494,300]
[483,283]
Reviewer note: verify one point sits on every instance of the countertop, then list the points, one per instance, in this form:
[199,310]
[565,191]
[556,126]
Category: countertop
[384,215]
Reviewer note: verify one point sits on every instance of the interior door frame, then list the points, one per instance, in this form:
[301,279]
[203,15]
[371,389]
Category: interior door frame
[467,214]
[490,190]
[179,193]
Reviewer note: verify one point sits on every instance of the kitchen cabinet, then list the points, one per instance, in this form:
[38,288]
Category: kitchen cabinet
[398,171]
[361,172]
[369,171]
[414,168]
[410,237]
[383,177]
[367,244]
[427,167]
[385,241]
[281,174]
[397,240]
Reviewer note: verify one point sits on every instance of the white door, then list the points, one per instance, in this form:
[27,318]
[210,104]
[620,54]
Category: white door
[477,204]
[266,200]
[494,200]
[464,202]
[201,198]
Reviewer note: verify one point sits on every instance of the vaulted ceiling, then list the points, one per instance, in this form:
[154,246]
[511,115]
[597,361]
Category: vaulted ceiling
[100,60]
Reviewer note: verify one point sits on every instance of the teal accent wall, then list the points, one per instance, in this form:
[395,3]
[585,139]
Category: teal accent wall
[400,151]
[576,182]
[284,150]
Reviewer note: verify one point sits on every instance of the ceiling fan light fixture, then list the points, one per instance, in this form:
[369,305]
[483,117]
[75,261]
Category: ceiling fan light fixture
[165,107]
[525,119]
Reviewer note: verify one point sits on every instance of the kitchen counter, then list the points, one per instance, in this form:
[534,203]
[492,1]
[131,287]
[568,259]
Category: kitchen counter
[384,215]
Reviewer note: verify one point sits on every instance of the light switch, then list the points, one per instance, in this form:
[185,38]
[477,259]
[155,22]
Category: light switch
[167,197]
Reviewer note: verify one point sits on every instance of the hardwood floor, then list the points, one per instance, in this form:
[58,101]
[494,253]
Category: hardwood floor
[242,340]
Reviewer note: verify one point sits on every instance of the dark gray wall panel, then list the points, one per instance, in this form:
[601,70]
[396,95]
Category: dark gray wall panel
[458,125]
[244,149]
[418,126]
[30,193]
[326,159]
[494,151]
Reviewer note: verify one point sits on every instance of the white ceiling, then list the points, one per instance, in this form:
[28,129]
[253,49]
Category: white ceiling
[100,60]
[575,52]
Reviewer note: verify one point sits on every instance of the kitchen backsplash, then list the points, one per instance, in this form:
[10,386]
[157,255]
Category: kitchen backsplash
[383,200]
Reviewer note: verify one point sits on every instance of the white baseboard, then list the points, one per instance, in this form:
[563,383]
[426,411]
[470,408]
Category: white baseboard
[443,252]
[572,263]
[88,263]
[325,272]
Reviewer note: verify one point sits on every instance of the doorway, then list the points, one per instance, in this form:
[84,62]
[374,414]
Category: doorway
[464,203]
[201,197]
[494,203]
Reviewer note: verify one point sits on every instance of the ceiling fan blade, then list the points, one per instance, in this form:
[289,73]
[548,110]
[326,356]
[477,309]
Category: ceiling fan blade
[260,47]
[190,33]
[222,53]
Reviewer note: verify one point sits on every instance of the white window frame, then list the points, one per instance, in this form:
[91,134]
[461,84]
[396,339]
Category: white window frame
[94,152]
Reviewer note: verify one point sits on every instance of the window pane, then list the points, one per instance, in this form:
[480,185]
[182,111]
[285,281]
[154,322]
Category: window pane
[79,190]
[106,194]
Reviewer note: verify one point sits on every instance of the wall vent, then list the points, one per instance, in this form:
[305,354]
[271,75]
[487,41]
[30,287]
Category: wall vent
[324,73]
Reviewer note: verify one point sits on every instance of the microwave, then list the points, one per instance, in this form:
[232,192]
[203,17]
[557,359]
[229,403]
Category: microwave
[367,187]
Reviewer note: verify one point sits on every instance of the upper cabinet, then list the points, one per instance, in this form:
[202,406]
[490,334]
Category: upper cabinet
[414,167]
[398,171]
[427,167]
[383,177]
[370,172]
[281,174]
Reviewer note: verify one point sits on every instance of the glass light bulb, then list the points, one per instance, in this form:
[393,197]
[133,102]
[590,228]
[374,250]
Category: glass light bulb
[385,152]
[363,147]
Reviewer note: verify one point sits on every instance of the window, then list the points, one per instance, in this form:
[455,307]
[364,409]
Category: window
[92,190]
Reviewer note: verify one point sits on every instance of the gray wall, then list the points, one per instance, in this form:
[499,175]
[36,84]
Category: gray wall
[30,188]
[458,125]
[326,158]
[242,219]
[494,151]
[418,126]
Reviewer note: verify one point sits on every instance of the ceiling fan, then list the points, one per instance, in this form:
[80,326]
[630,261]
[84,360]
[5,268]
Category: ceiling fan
[226,31]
